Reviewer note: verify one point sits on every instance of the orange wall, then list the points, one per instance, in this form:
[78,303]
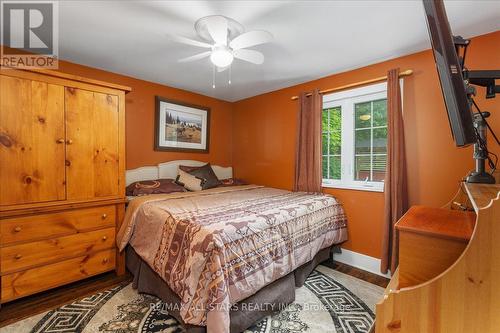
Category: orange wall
[140,112]
[264,133]
[257,135]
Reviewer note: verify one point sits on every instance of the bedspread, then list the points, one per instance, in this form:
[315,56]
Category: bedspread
[217,247]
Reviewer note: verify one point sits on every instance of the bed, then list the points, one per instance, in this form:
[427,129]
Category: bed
[223,258]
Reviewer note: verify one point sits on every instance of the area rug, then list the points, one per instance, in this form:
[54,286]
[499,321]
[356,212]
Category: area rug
[329,301]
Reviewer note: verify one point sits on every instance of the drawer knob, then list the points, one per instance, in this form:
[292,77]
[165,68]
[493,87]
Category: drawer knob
[17,229]
[104,216]
[69,141]
[18,256]
[60,141]
[104,238]
[105,260]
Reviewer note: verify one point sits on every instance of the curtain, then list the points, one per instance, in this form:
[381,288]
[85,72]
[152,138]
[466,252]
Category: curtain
[308,146]
[396,192]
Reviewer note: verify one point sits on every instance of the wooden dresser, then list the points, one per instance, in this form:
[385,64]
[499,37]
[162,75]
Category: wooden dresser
[449,269]
[62,169]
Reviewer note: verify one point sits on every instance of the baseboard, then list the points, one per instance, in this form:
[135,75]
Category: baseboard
[359,260]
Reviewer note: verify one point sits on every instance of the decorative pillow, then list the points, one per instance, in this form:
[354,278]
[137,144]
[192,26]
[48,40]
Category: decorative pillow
[157,186]
[206,172]
[190,182]
[232,182]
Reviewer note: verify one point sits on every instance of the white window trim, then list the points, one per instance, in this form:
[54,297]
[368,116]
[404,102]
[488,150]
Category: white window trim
[345,99]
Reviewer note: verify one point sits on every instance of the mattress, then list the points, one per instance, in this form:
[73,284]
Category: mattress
[214,248]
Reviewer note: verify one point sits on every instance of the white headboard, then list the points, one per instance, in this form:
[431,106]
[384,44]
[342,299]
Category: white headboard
[169,170]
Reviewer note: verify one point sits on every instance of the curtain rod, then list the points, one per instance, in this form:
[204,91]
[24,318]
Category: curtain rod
[377,79]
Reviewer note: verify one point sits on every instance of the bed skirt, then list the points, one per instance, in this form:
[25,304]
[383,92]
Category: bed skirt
[266,301]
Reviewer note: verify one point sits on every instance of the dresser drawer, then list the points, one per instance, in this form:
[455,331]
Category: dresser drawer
[37,227]
[26,255]
[38,279]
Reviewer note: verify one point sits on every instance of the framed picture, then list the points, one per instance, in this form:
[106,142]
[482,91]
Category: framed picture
[181,127]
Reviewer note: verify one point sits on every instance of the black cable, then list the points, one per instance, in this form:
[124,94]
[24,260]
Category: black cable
[483,146]
[484,119]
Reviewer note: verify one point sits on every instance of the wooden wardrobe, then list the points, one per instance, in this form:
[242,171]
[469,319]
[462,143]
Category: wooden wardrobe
[62,185]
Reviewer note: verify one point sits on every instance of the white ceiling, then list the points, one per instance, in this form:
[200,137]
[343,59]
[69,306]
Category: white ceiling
[312,38]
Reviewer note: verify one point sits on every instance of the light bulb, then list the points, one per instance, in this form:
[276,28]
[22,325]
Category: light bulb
[221,56]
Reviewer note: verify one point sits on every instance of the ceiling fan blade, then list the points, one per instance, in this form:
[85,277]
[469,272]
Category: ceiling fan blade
[250,38]
[252,56]
[188,41]
[217,28]
[196,57]
[222,69]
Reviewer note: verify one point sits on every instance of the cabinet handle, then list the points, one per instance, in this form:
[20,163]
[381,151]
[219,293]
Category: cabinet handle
[104,216]
[18,256]
[60,141]
[105,260]
[104,238]
[69,141]
[17,229]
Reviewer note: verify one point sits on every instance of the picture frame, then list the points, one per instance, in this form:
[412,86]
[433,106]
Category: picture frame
[181,127]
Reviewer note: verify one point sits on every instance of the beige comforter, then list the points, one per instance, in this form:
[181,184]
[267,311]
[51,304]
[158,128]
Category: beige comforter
[219,246]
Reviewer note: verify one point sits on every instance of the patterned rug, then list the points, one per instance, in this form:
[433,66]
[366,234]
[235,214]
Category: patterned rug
[329,301]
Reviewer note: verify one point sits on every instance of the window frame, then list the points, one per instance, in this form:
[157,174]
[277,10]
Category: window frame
[346,100]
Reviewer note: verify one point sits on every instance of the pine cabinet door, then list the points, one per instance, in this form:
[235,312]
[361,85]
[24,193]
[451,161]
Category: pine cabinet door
[31,141]
[92,151]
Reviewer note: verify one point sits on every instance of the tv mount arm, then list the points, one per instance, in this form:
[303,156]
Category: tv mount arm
[483,78]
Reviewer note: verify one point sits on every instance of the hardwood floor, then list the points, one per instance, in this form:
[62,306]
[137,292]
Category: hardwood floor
[357,273]
[32,305]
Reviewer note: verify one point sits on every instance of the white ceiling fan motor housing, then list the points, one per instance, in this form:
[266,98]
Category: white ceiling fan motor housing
[234,28]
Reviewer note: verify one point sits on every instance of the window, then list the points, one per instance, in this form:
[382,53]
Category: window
[354,138]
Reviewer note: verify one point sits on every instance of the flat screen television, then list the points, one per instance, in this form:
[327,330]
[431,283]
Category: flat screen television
[450,73]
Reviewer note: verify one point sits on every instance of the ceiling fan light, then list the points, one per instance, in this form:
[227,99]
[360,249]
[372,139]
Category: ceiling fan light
[221,57]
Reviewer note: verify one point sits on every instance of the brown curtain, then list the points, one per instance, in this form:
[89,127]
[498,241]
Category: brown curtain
[308,147]
[396,192]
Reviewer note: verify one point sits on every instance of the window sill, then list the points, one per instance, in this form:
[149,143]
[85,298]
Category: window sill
[356,187]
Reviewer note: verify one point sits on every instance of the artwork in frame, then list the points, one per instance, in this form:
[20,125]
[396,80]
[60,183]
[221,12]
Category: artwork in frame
[181,126]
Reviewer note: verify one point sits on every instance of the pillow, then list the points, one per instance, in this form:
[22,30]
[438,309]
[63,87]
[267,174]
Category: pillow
[232,182]
[206,172]
[157,186]
[190,182]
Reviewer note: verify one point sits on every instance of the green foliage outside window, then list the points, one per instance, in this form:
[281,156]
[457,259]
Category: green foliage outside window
[331,142]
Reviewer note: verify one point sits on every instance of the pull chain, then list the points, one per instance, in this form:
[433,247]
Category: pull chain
[213,77]
[230,66]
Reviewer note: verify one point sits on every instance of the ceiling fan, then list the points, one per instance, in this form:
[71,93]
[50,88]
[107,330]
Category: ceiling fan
[226,39]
